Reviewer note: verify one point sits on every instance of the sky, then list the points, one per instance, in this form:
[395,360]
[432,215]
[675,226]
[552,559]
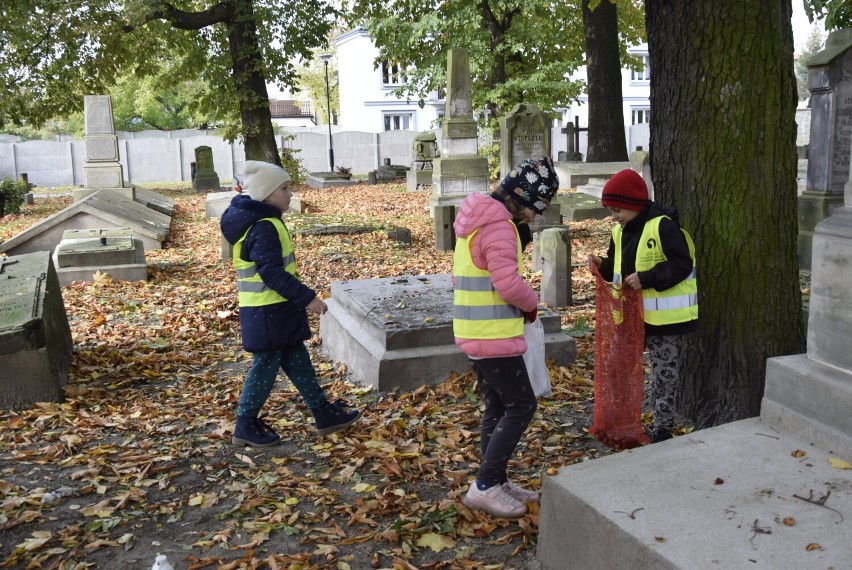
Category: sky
[801,26]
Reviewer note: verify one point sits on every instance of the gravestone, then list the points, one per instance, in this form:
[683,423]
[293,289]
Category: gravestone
[830,85]
[459,170]
[82,254]
[102,170]
[555,254]
[35,339]
[811,394]
[205,175]
[424,150]
[524,134]
[397,332]
[640,162]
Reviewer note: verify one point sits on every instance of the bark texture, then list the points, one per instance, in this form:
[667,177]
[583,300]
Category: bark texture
[723,152]
[607,142]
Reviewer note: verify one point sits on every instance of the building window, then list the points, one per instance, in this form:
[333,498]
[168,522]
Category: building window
[392,73]
[640,116]
[398,121]
[643,74]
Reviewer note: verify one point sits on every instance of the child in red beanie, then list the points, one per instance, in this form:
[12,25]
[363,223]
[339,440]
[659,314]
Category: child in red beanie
[649,250]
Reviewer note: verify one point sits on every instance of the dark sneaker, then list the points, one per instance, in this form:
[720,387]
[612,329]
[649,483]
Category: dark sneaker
[334,417]
[254,432]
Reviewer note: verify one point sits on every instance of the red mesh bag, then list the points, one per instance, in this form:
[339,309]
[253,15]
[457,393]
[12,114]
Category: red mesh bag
[619,374]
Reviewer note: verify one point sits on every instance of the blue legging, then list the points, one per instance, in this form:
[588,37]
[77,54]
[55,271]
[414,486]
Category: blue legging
[295,361]
[510,405]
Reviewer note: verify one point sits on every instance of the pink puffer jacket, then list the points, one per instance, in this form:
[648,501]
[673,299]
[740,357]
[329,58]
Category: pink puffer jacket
[495,249]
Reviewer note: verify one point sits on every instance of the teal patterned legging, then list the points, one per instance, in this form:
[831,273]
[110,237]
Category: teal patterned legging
[295,362]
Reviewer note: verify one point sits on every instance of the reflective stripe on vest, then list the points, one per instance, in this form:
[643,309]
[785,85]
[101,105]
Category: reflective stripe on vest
[252,291]
[478,311]
[678,304]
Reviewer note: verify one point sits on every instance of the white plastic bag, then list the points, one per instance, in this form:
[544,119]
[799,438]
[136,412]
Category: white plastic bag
[534,359]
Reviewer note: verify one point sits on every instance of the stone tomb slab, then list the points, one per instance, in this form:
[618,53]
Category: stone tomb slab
[154,200]
[35,339]
[577,206]
[397,332]
[715,498]
[103,210]
[83,253]
[574,174]
[326,180]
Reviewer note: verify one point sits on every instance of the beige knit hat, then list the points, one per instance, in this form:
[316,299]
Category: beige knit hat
[262,179]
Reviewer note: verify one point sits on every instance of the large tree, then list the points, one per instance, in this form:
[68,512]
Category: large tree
[723,151]
[606,139]
[52,52]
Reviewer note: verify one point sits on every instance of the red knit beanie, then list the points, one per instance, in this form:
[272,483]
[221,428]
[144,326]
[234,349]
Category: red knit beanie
[626,190]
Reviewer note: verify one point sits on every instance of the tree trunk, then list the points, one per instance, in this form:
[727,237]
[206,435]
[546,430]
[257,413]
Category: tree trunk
[607,142]
[723,151]
[247,73]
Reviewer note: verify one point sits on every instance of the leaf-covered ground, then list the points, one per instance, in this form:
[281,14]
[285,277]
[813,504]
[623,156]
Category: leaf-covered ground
[138,460]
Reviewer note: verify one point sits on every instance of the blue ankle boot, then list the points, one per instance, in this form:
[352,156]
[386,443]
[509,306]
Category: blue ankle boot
[253,432]
[333,417]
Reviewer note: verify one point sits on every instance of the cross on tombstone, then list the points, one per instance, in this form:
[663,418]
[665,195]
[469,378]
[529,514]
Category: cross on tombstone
[573,131]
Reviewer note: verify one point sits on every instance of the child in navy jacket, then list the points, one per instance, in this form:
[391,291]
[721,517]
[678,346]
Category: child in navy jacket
[273,306]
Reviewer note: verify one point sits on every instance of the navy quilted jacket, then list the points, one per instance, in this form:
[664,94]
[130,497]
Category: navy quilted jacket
[276,326]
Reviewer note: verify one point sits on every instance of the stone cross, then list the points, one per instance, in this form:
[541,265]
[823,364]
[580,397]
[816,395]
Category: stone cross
[573,131]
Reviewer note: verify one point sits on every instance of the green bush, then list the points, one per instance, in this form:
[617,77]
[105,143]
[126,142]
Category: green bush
[11,196]
[292,164]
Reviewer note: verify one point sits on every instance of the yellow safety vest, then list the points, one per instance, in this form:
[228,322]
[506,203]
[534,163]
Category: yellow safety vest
[478,311]
[253,292]
[678,304]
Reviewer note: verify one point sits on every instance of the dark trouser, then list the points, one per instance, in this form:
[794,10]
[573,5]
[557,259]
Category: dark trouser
[295,362]
[662,351]
[509,408]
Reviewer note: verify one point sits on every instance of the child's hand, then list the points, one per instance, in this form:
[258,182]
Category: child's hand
[317,306]
[632,281]
[596,259]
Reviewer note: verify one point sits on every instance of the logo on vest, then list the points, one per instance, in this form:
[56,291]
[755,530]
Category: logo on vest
[651,243]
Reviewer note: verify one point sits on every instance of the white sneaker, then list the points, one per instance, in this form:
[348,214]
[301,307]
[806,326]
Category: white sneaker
[494,501]
[519,493]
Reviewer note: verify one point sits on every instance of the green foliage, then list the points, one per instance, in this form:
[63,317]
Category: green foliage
[519,51]
[815,43]
[55,52]
[11,196]
[312,82]
[836,13]
[291,163]
[581,328]
[158,102]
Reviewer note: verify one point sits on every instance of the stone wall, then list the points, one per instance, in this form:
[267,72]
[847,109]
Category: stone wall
[156,156]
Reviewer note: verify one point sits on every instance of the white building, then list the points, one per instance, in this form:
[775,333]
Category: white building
[366,103]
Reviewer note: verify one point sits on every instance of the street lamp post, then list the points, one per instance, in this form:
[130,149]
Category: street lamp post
[325,59]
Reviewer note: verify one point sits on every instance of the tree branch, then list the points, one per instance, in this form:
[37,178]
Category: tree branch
[219,13]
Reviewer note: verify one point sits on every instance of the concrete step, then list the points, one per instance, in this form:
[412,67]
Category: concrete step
[714,499]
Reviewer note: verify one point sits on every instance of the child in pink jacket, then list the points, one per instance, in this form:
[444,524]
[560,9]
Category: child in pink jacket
[491,304]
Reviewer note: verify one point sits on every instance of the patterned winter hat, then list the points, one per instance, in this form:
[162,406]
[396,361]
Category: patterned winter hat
[626,190]
[533,183]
